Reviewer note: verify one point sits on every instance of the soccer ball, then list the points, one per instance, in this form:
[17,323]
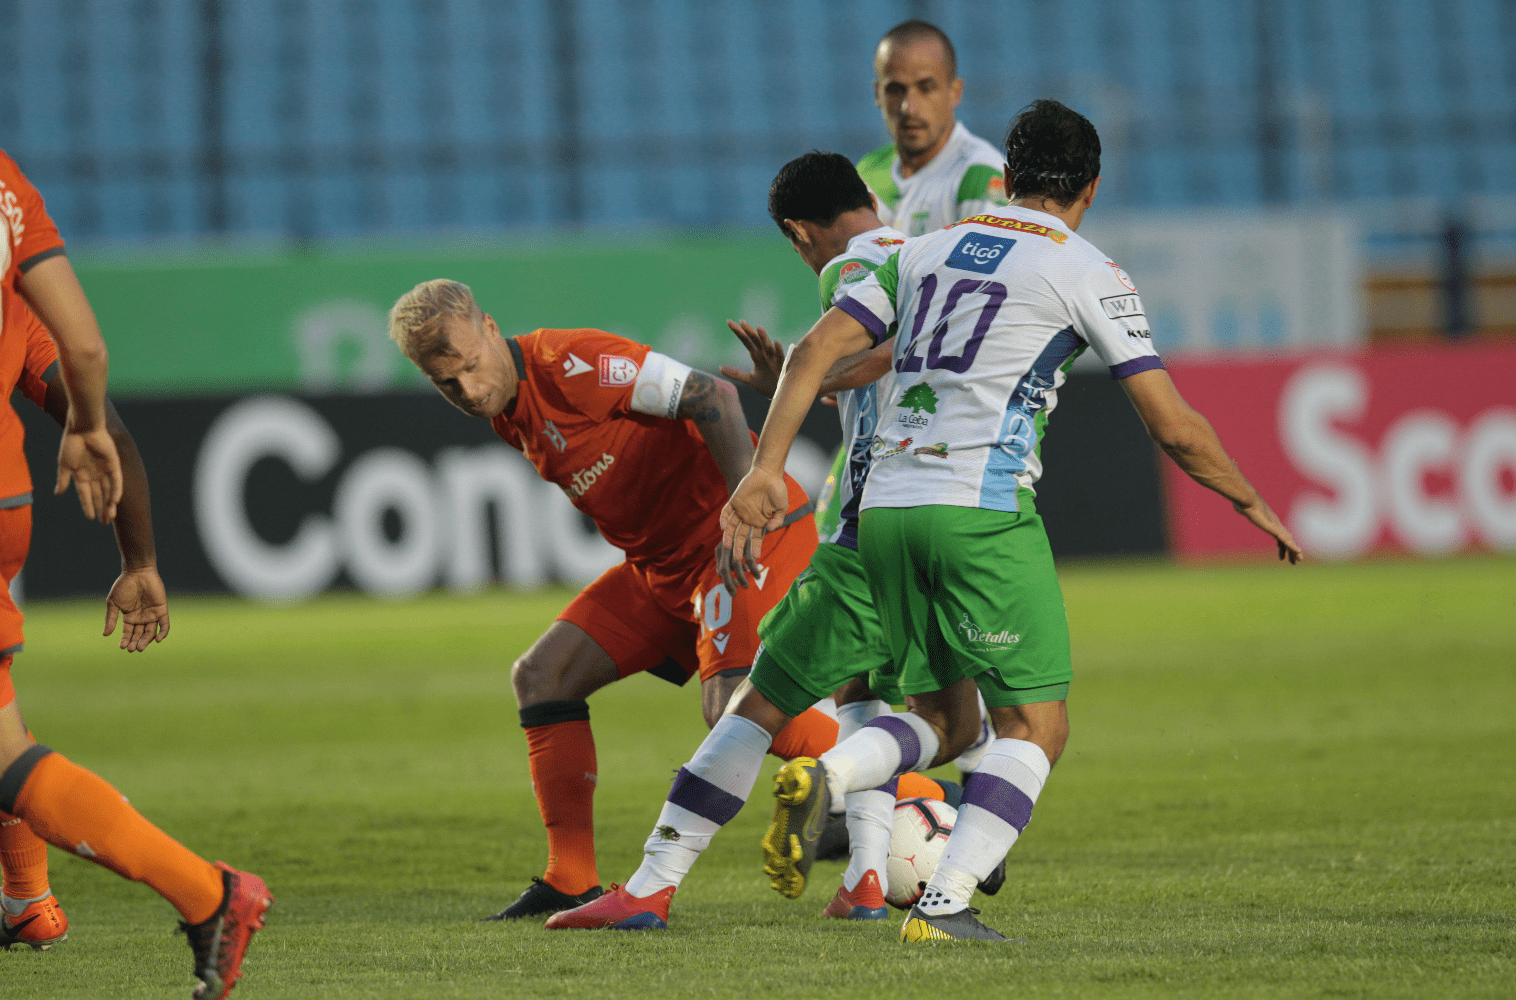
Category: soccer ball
[922,827]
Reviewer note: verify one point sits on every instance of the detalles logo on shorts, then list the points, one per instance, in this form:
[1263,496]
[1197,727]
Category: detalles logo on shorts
[585,478]
[1002,639]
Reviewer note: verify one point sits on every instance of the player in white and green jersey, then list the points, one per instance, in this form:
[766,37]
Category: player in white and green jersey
[936,171]
[984,318]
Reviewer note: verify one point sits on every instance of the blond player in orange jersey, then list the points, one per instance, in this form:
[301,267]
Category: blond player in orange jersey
[648,448]
[55,799]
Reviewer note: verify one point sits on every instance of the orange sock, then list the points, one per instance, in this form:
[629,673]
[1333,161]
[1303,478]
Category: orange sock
[563,777]
[809,734]
[75,810]
[918,786]
[23,859]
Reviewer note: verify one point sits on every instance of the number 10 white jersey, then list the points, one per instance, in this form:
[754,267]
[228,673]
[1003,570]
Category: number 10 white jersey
[990,313]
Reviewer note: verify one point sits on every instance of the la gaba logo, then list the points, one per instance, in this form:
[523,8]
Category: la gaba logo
[617,370]
[979,252]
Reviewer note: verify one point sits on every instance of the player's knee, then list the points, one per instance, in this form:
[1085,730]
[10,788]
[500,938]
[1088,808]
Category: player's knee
[534,680]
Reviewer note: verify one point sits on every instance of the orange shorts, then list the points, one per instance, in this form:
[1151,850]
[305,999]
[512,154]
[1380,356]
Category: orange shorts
[713,632]
[15,541]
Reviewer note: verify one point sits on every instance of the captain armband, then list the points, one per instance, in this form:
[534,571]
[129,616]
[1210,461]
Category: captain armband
[658,386]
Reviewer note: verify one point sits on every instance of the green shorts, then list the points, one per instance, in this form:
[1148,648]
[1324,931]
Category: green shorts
[822,634]
[966,592]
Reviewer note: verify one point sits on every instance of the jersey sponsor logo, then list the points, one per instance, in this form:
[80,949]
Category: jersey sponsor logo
[575,365]
[1139,334]
[12,212]
[977,252]
[852,271]
[616,370]
[1122,306]
[1121,277]
[938,450]
[879,450]
[555,436]
[919,397]
[886,241]
[587,477]
[918,223]
[1018,226]
[996,189]
[975,634]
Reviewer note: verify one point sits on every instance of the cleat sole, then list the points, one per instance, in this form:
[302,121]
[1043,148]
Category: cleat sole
[641,922]
[868,913]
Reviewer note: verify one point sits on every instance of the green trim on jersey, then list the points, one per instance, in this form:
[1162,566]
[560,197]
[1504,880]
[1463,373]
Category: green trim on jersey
[829,504]
[975,185]
[875,171]
[831,278]
[889,281]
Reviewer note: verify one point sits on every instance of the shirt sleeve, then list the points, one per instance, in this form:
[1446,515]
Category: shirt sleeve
[982,189]
[34,236]
[1108,315]
[872,301]
[840,276]
[41,357]
[594,372]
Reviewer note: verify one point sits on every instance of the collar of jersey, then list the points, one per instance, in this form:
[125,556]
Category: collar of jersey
[519,360]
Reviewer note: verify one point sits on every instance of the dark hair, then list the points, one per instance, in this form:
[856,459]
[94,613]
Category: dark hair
[1052,151]
[816,187]
[915,30]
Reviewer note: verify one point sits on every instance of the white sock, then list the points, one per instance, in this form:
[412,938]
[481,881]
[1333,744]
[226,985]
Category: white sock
[870,824]
[885,748]
[707,793]
[16,907]
[997,804]
[968,761]
[856,714]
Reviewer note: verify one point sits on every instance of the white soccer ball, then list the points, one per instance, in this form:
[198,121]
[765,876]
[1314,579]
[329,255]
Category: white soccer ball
[921,832]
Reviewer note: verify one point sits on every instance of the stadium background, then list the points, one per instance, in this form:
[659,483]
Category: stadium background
[1314,189]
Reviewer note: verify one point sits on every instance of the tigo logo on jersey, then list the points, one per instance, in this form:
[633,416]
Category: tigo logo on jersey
[852,271]
[616,370]
[978,252]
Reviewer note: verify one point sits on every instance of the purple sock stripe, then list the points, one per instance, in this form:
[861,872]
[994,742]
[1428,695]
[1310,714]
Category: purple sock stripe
[902,733]
[892,786]
[704,799]
[996,795]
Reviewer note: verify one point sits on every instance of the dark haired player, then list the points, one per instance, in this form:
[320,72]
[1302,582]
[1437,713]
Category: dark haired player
[824,635]
[990,314]
[935,171]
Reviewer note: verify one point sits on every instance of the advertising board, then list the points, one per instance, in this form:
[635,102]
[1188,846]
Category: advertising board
[1409,450]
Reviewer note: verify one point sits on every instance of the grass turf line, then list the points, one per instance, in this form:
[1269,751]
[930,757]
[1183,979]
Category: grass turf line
[1281,783]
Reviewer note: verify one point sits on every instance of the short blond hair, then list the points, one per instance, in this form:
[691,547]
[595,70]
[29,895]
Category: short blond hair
[417,318]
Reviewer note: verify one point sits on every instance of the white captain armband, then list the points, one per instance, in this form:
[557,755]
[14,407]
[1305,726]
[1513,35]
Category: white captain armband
[659,383]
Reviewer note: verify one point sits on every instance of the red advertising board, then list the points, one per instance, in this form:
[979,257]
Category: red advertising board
[1395,449]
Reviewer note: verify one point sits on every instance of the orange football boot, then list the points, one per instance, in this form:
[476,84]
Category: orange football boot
[864,902]
[39,926]
[618,910]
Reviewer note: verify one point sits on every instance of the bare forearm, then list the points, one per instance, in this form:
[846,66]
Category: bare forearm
[1195,448]
[55,295]
[134,514]
[859,370]
[713,405]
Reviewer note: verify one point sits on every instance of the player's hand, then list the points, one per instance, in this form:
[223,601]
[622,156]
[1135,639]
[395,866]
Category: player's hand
[89,460]
[140,600]
[768,359]
[828,399]
[1264,517]
[758,507]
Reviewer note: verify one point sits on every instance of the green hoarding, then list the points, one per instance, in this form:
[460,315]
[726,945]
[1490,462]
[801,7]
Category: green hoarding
[213,322]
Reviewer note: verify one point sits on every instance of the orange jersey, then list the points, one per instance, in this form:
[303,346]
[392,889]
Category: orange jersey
[583,415]
[26,353]
[30,236]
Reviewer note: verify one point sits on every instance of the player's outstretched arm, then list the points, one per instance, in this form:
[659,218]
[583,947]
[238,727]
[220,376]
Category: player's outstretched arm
[758,504]
[87,455]
[138,598]
[1188,438]
[852,372]
[713,405]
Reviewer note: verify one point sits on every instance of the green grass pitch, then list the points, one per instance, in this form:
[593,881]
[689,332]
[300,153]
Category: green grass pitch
[1281,783]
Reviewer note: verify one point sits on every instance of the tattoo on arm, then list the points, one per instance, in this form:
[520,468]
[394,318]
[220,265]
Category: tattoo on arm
[697,400]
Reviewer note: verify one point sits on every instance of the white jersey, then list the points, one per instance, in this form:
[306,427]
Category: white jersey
[837,511]
[992,312]
[965,178]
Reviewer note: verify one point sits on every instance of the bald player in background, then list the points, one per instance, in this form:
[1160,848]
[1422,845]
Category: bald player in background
[936,171]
